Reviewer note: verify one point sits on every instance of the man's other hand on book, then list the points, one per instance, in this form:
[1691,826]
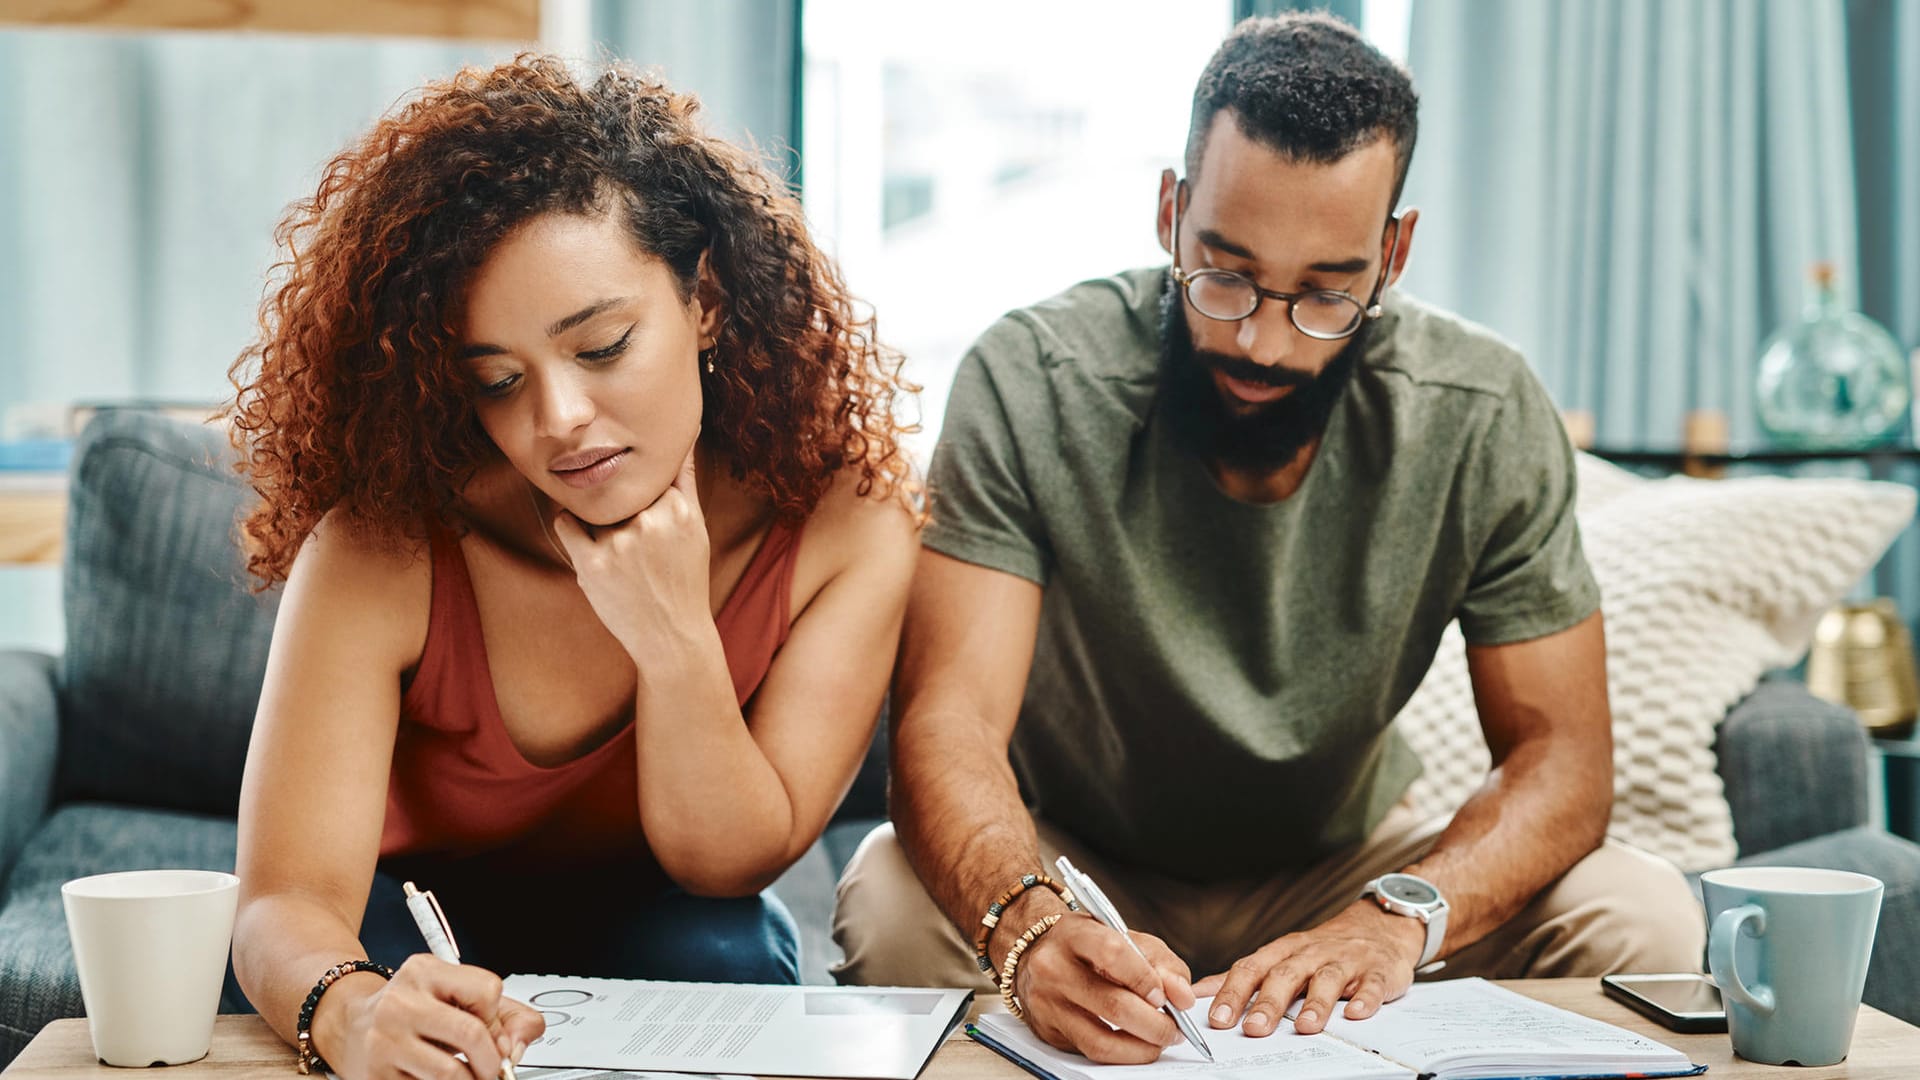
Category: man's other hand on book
[1363,954]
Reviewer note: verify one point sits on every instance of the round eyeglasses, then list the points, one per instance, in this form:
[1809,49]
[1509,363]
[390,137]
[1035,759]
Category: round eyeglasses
[1229,296]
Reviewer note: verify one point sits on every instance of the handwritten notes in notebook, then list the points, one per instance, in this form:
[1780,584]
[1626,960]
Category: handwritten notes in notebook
[1458,1030]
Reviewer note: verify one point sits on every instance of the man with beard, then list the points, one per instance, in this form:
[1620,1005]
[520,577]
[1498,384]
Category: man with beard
[1195,534]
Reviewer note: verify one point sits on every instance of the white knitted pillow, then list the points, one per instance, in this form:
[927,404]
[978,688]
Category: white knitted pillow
[1706,585]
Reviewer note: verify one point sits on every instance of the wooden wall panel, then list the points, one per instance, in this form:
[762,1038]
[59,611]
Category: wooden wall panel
[486,19]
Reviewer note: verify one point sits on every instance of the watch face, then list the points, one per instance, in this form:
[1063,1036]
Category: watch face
[1408,889]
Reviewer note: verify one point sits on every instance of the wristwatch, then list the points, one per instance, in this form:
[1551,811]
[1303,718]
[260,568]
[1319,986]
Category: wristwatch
[1405,894]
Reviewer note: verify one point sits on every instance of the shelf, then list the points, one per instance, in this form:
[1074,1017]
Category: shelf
[1674,458]
[489,20]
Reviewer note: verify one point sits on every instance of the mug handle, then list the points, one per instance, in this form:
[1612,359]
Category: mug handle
[1720,942]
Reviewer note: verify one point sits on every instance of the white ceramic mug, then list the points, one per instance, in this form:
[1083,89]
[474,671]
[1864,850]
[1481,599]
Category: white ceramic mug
[151,948]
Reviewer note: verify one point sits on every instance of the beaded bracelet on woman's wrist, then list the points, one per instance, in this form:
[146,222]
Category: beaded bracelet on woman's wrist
[309,1061]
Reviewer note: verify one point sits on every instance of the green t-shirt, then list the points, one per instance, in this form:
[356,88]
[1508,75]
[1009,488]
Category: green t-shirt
[1214,681]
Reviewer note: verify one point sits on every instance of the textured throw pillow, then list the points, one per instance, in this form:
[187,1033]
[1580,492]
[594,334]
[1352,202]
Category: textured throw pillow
[1706,585]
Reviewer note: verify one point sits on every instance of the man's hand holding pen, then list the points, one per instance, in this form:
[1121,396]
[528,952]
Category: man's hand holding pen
[1081,972]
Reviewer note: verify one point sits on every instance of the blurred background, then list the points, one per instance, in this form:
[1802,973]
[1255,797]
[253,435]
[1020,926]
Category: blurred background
[1634,192]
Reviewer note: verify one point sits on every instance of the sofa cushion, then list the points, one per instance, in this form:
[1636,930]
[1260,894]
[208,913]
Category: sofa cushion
[1705,585]
[1783,739]
[37,978]
[166,644]
[29,746]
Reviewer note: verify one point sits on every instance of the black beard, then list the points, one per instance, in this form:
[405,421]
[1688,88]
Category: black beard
[1265,438]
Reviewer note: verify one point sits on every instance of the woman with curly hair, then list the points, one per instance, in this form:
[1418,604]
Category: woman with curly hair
[584,484]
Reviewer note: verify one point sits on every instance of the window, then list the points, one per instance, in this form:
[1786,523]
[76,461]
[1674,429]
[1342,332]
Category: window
[964,162]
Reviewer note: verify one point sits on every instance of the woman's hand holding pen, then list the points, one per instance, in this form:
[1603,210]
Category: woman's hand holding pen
[1079,977]
[647,577]
[412,1027]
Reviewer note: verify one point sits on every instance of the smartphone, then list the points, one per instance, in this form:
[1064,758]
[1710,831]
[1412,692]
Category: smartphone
[1685,1003]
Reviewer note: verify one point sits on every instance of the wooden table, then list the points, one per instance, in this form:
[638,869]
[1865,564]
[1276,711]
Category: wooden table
[243,1047]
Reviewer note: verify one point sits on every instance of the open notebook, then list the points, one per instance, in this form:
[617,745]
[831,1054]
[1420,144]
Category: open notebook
[1465,1029]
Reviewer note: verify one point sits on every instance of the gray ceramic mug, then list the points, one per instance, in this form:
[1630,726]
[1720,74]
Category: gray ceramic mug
[1789,948]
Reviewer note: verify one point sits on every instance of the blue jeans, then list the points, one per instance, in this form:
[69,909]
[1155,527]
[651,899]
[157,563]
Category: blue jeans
[575,926]
[564,929]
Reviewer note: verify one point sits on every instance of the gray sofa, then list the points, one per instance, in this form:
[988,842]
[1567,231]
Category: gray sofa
[126,751]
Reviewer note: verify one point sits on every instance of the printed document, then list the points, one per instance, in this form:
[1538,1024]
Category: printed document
[882,1033]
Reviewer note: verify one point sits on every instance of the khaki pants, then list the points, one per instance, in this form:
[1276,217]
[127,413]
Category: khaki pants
[1619,909]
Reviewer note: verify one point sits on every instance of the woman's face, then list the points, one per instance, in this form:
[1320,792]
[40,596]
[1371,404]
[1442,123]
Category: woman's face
[584,363]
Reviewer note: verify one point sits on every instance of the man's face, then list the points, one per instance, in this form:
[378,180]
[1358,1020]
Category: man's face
[1290,226]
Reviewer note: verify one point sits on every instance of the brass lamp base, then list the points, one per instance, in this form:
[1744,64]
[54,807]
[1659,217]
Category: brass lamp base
[1862,658]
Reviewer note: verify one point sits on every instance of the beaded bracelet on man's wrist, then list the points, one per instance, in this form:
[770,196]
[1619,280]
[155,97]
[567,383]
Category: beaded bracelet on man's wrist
[1012,966]
[994,910]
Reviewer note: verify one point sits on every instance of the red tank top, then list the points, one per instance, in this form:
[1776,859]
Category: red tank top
[461,789]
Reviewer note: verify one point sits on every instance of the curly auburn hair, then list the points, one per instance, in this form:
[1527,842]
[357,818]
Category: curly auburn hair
[351,397]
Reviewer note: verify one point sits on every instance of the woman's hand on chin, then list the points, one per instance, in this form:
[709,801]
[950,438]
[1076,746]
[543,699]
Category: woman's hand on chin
[647,576]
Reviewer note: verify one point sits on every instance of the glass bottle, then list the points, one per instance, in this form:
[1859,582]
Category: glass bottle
[1834,379]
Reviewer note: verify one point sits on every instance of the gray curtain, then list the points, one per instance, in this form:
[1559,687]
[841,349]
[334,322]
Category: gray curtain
[1883,53]
[1883,62]
[141,175]
[1350,10]
[741,56]
[1632,190]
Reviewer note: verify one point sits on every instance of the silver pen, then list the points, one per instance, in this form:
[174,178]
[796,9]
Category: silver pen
[1101,908]
[425,909]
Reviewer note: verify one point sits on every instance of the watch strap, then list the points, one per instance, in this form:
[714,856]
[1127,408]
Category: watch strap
[1436,934]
